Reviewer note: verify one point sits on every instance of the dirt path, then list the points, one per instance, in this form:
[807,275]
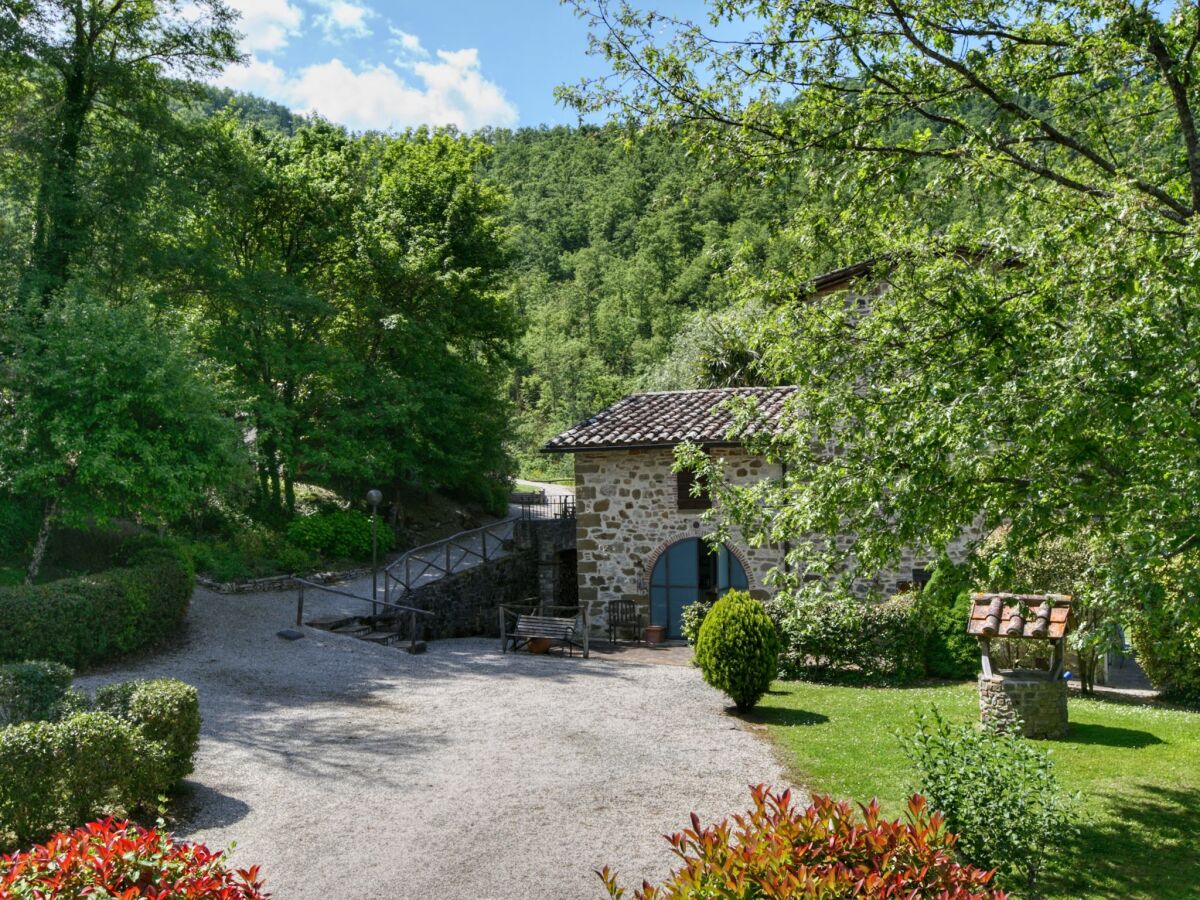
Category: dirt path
[350,770]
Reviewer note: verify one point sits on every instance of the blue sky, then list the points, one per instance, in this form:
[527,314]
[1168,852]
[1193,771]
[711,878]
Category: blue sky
[375,64]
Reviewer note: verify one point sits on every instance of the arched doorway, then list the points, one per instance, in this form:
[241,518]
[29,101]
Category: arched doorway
[687,571]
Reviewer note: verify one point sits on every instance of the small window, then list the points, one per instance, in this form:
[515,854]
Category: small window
[685,497]
[920,578]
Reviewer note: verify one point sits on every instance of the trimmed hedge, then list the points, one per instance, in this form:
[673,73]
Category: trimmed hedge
[56,774]
[830,635]
[737,648]
[35,691]
[94,618]
[166,710]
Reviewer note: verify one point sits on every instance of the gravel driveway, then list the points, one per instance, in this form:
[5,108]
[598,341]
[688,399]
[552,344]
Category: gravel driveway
[353,771]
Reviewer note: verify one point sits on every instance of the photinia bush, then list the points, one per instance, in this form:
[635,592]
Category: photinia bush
[827,851]
[117,859]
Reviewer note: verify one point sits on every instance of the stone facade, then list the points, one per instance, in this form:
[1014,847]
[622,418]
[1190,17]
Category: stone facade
[1031,698]
[627,515]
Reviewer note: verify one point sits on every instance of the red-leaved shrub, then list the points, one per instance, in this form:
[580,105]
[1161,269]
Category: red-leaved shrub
[118,859]
[825,851]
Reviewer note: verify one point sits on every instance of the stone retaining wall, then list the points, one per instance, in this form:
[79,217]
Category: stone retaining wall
[1038,703]
[467,603]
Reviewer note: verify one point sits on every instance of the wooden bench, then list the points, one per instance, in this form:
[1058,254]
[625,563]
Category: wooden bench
[559,630]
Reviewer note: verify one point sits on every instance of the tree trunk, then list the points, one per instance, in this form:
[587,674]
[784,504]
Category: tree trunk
[43,538]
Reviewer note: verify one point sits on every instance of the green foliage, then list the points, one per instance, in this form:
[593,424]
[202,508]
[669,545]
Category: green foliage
[339,534]
[54,774]
[91,619]
[167,712]
[827,850]
[944,608]
[737,648]
[997,791]
[693,617]
[34,691]
[829,634]
[1023,354]
[253,550]
[108,417]
[1166,632]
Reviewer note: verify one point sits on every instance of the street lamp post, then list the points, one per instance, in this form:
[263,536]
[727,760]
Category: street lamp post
[374,497]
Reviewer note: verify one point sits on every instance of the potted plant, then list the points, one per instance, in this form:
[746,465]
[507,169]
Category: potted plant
[539,644]
[655,634]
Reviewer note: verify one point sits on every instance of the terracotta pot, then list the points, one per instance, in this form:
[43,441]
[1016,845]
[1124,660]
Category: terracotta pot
[655,634]
[539,645]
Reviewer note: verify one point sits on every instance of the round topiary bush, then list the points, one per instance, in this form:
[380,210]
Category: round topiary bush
[738,648]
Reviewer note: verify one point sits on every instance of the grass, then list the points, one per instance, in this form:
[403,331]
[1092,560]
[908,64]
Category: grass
[1136,769]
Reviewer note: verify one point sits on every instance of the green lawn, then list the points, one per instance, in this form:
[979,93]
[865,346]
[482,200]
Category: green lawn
[1137,769]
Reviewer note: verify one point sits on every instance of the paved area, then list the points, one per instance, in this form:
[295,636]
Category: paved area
[350,770]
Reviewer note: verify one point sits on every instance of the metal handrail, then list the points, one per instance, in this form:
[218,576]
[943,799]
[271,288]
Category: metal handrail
[412,611]
[453,542]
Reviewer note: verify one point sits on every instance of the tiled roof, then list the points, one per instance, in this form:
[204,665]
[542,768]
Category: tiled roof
[1020,616]
[666,418]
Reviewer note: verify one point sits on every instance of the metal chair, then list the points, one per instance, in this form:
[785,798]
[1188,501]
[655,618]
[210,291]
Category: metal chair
[624,614]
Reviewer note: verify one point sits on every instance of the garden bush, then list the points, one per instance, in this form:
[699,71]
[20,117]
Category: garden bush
[116,859]
[738,648]
[36,691]
[693,617]
[338,534]
[830,635]
[944,606]
[827,850]
[93,618]
[998,793]
[166,710]
[56,774]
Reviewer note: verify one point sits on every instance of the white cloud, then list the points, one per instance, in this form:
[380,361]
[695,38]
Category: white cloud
[343,18]
[409,45]
[448,91]
[266,25]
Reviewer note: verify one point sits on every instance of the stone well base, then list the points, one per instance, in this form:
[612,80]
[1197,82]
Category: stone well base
[1031,698]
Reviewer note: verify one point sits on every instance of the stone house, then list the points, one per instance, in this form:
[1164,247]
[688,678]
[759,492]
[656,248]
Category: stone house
[639,530]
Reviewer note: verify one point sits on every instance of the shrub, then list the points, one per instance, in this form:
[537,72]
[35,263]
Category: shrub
[166,710]
[117,859]
[830,635]
[53,774]
[738,648]
[338,534]
[826,850]
[93,618]
[998,793]
[693,617]
[35,691]
[944,606]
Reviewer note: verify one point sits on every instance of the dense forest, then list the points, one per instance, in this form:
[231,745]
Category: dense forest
[214,307]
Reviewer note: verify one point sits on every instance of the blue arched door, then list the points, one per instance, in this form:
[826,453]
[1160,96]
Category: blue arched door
[687,571]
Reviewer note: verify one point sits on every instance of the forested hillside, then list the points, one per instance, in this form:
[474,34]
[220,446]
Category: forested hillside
[622,255]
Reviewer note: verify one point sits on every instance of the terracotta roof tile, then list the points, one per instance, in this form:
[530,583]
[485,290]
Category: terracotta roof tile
[666,418]
[1020,615]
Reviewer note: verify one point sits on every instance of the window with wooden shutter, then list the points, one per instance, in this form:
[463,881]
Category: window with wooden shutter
[685,497]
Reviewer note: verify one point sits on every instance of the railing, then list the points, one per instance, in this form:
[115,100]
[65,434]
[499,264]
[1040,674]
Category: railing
[558,506]
[412,611]
[439,558]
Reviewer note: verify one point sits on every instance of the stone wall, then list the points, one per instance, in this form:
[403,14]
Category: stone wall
[467,603]
[1031,698]
[627,515]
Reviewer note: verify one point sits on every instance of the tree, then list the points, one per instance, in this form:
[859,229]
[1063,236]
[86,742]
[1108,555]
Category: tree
[107,415]
[1031,362]
[83,60]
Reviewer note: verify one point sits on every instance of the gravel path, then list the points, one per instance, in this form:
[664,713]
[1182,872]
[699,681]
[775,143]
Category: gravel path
[356,771]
